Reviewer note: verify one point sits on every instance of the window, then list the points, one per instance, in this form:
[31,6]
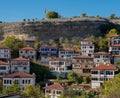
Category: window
[28,81]
[16,68]
[10,81]
[4,81]
[94,72]
[23,82]
[25,68]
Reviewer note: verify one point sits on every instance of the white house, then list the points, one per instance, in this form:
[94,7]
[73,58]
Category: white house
[5,53]
[27,52]
[114,39]
[102,73]
[59,66]
[68,53]
[116,58]
[4,68]
[87,47]
[114,49]
[54,90]
[101,58]
[20,65]
[47,52]
[21,78]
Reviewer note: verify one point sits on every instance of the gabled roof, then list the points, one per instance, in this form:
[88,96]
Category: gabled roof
[27,48]
[82,57]
[58,59]
[3,63]
[55,86]
[5,48]
[103,53]
[105,67]
[78,87]
[20,59]
[116,45]
[18,75]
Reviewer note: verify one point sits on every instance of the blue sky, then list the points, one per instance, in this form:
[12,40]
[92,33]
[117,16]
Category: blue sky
[17,10]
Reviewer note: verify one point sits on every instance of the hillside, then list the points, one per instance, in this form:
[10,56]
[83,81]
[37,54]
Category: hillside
[55,28]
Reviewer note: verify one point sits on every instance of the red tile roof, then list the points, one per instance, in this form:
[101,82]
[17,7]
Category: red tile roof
[4,48]
[103,53]
[87,45]
[55,86]
[4,63]
[20,59]
[78,86]
[105,67]
[27,48]
[82,57]
[116,45]
[18,75]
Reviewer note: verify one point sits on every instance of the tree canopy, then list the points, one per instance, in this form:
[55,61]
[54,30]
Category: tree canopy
[112,88]
[12,42]
[52,14]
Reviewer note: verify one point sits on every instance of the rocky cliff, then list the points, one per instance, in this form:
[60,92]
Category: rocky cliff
[53,29]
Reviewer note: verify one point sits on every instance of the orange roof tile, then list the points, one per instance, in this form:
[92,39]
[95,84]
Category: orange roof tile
[20,59]
[55,86]
[104,53]
[5,48]
[66,49]
[4,63]
[87,45]
[105,67]
[116,45]
[27,48]
[78,86]
[83,57]
[18,75]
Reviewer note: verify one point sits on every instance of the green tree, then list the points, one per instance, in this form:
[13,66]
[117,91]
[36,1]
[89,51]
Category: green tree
[52,14]
[112,32]
[61,40]
[13,88]
[37,45]
[112,16]
[72,76]
[33,91]
[12,42]
[1,86]
[102,44]
[111,88]
[83,14]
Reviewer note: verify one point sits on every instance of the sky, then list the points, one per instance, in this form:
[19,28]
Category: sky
[17,10]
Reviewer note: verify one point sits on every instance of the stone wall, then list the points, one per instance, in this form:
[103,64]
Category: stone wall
[53,29]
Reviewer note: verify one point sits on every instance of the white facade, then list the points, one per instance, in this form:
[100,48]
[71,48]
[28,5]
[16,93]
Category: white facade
[5,53]
[68,53]
[4,68]
[20,65]
[115,39]
[87,47]
[116,58]
[101,58]
[102,73]
[47,53]
[59,66]
[54,90]
[22,79]
[27,52]
[115,49]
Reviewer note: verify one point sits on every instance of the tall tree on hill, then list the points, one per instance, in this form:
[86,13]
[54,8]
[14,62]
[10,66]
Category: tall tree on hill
[52,14]
[83,14]
[112,16]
